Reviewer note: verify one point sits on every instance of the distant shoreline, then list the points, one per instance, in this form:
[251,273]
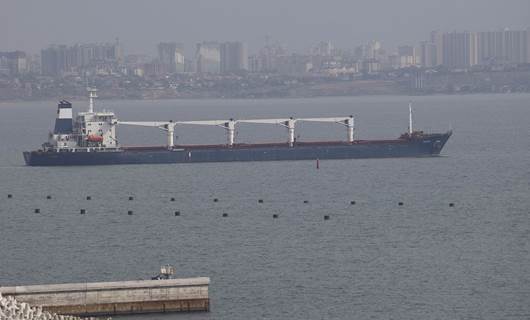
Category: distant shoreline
[83,98]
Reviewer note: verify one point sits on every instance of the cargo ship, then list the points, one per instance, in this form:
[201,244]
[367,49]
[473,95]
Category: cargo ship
[90,139]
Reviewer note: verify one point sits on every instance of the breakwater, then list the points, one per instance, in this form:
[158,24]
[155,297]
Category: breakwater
[114,298]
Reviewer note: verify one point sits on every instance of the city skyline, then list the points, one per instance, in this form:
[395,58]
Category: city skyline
[315,47]
[454,50]
[32,25]
[446,62]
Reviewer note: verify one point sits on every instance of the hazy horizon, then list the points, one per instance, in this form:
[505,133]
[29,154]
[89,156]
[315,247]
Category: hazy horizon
[33,25]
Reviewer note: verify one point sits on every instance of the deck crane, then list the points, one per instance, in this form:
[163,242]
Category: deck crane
[229,126]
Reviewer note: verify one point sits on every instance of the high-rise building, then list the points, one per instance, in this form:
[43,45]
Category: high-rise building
[84,55]
[407,56]
[373,50]
[323,48]
[208,57]
[171,56]
[506,46]
[13,63]
[528,45]
[180,61]
[55,60]
[459,49]
[490,47]
[253,63]
[437,40]
[427,54]
[234,57]
[516,45]
[267,60]
[59,59]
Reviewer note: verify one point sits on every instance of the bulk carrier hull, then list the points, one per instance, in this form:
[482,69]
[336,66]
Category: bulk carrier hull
[91,139]
[424,145]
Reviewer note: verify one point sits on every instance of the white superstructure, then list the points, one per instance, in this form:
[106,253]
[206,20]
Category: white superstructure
[91,130]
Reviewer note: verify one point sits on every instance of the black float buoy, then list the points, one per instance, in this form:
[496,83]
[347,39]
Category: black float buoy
[225,215]
[9,196]
[400,203]
[451,204]
[326,217]
[172,199]
[48,197]
[37,210]
[177,213]
[274,216]
[89,198]
[130,212]
[260,201]
[82,211]
[352,202]
[131,198]
[305,201]
[215,200]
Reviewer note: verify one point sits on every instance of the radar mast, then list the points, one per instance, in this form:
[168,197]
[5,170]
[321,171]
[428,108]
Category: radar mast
[92,94]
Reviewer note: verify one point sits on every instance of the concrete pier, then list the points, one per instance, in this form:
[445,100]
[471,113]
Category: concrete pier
[114,298]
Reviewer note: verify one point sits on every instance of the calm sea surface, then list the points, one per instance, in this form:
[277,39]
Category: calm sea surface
[371,260]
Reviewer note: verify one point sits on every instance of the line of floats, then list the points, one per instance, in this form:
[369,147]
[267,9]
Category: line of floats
[177,213]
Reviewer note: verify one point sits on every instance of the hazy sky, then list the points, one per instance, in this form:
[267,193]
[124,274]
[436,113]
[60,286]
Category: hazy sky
[33,24]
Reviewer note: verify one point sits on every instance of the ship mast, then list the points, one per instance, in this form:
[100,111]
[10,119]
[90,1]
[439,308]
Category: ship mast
[410,118]
[92,94]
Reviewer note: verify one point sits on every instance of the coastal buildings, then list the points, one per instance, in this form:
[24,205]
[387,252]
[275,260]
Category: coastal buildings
[436,40]
[57,60]
[467,49]
[208,57]
[13,63]
[171,56]
[407,56]
[427,54]
[228,67]
[323,49]
[234,57]
[505,46]
[459,49]
[266,60]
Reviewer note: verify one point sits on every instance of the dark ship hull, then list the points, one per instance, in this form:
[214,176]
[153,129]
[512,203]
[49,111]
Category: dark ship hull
[415,146]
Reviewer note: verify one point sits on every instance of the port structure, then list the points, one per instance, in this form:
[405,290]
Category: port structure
[230,126]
